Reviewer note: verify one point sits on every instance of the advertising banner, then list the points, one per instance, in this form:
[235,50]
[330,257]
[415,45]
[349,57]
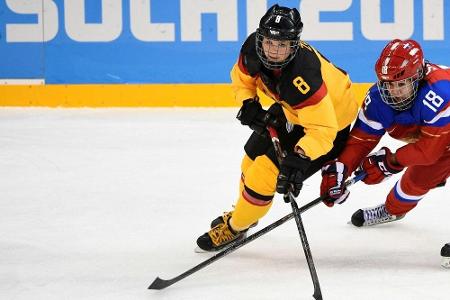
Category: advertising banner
[198,41]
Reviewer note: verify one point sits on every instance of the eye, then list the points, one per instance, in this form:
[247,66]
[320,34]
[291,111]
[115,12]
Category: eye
[283,45]
[268,43]
[387,84]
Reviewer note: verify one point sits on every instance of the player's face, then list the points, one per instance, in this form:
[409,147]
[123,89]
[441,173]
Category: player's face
[399,90]
[276,51]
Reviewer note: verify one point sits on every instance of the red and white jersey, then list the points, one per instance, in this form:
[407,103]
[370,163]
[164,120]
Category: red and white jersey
[425,127]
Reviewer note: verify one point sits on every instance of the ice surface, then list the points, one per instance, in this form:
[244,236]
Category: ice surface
[95,203]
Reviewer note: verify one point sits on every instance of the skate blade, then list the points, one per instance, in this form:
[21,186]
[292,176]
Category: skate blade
[354,226]
[376,224]
[200,250]
[445,262]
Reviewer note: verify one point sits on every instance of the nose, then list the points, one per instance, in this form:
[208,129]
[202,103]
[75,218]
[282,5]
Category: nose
[395,92]
[273,50]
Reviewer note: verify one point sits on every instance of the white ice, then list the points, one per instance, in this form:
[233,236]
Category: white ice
[96,203]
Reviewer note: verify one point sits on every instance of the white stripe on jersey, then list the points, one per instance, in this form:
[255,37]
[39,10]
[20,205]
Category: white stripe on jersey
[443,114]
[405,196]
[370,123]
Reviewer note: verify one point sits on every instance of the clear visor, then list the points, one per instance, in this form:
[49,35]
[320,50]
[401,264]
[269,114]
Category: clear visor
[275,54]
[399,94]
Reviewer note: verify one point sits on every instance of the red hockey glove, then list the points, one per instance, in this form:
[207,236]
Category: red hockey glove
[334,174]
[378,166]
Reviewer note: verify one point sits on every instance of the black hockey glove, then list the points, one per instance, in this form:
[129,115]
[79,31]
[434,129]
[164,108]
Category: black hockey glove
[292,170]
[253,115]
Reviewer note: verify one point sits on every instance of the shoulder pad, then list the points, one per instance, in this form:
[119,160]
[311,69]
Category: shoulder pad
[434,104]
[250,59]
[376,110]
[302,79]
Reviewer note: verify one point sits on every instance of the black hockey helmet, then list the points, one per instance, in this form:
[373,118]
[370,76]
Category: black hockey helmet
[281,24]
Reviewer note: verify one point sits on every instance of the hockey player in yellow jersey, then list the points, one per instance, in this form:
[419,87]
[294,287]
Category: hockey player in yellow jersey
[312,112]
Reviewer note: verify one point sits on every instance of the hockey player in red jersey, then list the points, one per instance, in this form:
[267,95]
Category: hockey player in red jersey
[411,102]
[313,109]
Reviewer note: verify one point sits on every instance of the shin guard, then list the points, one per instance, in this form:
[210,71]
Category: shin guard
[399,202]
[256,197]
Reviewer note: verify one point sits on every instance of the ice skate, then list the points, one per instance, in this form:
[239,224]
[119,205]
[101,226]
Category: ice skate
[441,184]
[445,253]
[373,216]
[220,235]
[220,219]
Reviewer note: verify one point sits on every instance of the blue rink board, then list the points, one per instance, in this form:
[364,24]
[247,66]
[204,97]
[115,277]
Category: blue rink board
[126,59]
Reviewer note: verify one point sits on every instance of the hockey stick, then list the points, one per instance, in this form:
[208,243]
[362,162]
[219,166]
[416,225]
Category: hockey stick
[289,197]
[159,284]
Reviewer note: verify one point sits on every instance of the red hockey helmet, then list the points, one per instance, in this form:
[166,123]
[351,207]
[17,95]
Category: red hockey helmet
[399,70]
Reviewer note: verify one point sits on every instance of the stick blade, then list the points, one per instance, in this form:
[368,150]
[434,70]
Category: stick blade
[159,284]
[317,295]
